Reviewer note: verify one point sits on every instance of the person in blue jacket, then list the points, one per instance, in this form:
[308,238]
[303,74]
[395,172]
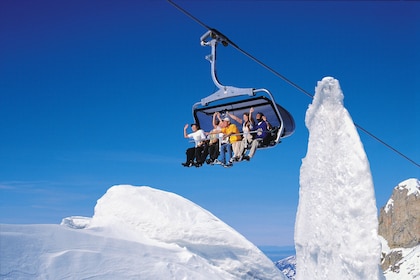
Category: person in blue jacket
[260,133]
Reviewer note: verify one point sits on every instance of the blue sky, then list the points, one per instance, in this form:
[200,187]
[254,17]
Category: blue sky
[96,93]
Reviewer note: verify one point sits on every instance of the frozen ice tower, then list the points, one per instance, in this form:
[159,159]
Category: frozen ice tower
[336,223]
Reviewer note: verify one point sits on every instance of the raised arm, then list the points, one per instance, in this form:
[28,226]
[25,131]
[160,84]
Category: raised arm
[269,127]
[216,114]
[239,120]
[185,131]
[251,119]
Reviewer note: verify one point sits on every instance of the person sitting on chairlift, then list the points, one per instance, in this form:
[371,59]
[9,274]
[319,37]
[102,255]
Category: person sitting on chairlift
[261,135]
[230,131]
[247,123]
[214,145]
[199,149]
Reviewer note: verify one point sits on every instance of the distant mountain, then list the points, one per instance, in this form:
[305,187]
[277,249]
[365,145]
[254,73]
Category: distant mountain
[276,253]
[399,225]
[287,266]
[135,233]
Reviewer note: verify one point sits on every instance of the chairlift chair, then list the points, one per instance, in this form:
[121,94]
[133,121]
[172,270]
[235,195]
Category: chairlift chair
[237,101]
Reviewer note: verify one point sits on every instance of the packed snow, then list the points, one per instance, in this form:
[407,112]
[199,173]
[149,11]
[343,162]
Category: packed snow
[411,185]
[336,223]
[389,205]
[135,233]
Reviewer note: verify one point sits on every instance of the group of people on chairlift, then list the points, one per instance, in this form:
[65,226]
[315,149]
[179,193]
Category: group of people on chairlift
[225,144]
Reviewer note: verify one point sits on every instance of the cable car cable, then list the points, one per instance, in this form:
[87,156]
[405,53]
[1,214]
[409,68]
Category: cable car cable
[189,15]
[227,40]
[387,145]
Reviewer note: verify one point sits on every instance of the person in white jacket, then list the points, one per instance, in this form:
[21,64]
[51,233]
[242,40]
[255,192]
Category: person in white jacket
[197,152]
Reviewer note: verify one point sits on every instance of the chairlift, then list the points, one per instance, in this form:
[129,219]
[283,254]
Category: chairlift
[237,101]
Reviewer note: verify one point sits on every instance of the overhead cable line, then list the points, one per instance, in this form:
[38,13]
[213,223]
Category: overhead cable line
[226,39]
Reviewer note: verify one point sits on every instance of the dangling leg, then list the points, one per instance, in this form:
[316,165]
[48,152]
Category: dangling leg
[214,152]
[254,146]
[190,152]
[201,153]
[242,148]
[237,150]
[229,151]
[223,150]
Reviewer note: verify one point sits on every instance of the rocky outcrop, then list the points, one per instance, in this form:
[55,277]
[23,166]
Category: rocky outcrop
[399,219]
[399,226]
[391,260]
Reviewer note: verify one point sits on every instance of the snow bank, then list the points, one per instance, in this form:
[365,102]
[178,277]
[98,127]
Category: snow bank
[336,223]
[135,233]
[144,213]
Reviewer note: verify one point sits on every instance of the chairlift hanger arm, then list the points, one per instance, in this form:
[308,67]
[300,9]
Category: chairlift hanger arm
[211,38]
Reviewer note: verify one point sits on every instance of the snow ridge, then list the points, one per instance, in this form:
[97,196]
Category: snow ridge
[144,213]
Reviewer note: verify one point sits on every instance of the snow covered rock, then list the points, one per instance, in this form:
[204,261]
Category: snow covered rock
[135,233]
[400,263]
[399,219]
[336,223]
[399,225]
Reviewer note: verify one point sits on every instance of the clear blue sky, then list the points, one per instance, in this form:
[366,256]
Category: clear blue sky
[96,93]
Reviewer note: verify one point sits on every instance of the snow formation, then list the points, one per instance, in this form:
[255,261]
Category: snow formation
[135,233]
[336,223]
